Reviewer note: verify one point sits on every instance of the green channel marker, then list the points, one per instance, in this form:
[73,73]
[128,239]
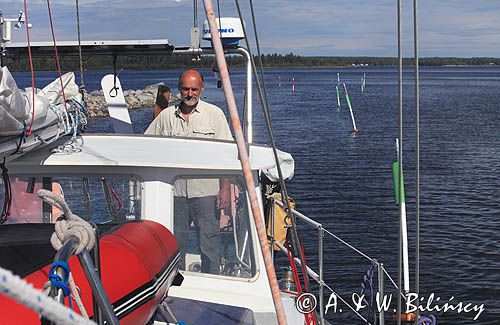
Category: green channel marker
[395,176]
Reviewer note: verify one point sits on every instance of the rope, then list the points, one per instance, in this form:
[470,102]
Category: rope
[16,288]
[56,53]
[7,201]
[245,163]
[431,320]
[115,89]
[72,225]
[76,296]
[32,70]
[367,284]
[294,237]
[72,123]
[22,139]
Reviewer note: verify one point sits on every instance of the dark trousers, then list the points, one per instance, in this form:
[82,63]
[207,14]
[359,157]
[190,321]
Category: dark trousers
[203,213]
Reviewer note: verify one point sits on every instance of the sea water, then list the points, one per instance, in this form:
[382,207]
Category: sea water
[344,180]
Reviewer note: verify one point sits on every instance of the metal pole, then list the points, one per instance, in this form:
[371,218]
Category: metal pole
[321,283]
[417,158]
[400,158]
[96,258]
[272,228]
[249,99]
[245,163]
[97,289]
[195,13]
[381,315]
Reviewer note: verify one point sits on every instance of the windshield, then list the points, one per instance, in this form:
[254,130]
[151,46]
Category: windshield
[101,199]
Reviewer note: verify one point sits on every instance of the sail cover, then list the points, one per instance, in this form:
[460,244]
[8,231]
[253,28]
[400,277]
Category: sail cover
[16,106]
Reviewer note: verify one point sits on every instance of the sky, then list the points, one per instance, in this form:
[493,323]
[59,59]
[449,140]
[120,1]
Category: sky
[458,28]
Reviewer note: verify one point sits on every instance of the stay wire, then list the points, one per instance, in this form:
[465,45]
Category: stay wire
[400,157]
[264,101]
[57,55]
[32,70]
[82,83]
[295,236]
[417,155]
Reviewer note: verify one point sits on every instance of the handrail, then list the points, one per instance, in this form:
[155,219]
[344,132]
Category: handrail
[319,278]
[63,254]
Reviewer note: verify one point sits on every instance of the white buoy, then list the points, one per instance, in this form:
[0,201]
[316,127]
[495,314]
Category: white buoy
[293,84]
[338,97]
[355,129]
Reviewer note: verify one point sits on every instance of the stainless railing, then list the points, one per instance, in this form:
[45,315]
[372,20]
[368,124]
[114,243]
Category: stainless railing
[381,271]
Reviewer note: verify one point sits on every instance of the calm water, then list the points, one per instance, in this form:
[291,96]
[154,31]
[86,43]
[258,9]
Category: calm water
[344,181]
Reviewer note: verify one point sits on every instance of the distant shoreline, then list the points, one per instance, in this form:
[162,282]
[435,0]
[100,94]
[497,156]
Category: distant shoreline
[269,61]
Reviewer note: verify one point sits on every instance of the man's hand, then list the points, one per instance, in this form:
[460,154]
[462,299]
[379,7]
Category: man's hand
[224,197]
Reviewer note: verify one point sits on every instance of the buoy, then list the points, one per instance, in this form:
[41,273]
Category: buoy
[338,98]
[293,84]
[404,229]
[355,129]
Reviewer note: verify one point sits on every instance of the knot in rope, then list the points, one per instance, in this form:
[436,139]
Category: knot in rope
[61,282]
[73,225]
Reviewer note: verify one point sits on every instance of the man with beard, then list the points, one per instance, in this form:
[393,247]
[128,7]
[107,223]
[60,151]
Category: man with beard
[196,200]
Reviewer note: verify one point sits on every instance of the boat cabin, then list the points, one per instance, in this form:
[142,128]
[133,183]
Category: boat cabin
[113,179]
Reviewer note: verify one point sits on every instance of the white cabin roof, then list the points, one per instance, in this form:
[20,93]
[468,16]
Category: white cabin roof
[150,151]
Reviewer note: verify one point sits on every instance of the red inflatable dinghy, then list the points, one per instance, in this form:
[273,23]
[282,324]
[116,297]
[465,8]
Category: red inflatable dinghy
[139,261]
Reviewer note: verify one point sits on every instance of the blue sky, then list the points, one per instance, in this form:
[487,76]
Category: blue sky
[462,28]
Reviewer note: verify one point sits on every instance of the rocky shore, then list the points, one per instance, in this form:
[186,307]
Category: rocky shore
[141,98]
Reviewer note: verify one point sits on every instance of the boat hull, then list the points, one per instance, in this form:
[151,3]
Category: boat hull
[139,261]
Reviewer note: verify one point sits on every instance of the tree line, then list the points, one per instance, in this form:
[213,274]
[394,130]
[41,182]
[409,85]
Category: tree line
[268,60]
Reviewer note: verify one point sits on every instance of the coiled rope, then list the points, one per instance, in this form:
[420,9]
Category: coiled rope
[71,226]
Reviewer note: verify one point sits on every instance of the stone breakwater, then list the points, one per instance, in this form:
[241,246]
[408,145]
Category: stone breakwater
[141,98]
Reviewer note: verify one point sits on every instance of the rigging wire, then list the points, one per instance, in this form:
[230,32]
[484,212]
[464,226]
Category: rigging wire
[417,157]
[82,83]
[195,13]
[245,163]
[28,132]
[57,54]
[263,97]
[400,157]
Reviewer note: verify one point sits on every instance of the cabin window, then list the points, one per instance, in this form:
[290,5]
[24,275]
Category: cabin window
[213,239]
[101,199]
